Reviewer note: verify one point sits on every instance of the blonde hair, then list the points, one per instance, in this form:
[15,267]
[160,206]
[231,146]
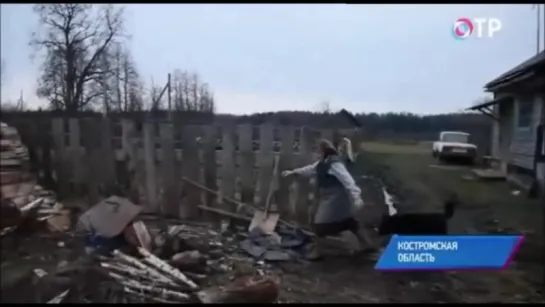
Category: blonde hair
[346,148]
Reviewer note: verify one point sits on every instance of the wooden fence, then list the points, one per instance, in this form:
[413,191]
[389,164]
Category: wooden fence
[150,158]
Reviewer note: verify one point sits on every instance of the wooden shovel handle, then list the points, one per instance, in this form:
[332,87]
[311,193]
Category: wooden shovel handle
[271,184]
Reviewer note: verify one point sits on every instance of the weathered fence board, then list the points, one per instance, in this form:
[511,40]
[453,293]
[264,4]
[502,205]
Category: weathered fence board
[147,159]
[227,173]
[191,168]
[150,164]
[210,165]
[169,181]
[265,161]
[247,164]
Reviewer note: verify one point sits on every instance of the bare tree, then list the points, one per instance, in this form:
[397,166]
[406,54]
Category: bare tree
[18,106]
[120,86]
[73,37]
[189,93]
[156,101]
[325,107]
[131,86]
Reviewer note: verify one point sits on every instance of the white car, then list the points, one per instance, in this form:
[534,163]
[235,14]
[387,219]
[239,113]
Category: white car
[454,144]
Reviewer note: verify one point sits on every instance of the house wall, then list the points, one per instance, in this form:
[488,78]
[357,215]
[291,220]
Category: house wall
[495,136]
[502,129]
[522,148]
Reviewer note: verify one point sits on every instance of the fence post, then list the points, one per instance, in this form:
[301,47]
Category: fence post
[170,200]
[149,161]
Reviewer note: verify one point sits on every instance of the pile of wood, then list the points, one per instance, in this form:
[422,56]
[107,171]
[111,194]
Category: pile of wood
[21,198]
[152,279]
[149,277]
[14,155]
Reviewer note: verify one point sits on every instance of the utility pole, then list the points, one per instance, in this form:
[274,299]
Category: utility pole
[538,23]
[169,99]
[543,21]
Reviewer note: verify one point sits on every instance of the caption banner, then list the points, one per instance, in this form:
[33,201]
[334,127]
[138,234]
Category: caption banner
[449,252]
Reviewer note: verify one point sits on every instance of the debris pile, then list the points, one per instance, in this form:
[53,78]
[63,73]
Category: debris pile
[149,277]
[170,264]
[138,260]
[23,201]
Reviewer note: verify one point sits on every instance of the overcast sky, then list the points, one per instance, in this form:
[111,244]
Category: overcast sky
[366,58]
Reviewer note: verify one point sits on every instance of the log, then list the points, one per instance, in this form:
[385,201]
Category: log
[139,286]
[32,205]
[247,289]
[196,276]
[165,267]
[7,230]
[135,273]
[138,264]
[148,297]
[58,298]
[187,260]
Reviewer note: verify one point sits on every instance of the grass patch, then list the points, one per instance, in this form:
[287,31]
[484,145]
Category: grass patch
[421,148]
[485,207]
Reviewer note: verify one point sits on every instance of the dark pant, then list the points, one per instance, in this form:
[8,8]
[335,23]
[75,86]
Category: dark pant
[330,229]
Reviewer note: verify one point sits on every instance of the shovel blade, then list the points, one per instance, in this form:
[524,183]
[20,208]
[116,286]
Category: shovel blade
[265,222]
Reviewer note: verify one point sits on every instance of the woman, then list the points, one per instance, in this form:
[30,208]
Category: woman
[338,196]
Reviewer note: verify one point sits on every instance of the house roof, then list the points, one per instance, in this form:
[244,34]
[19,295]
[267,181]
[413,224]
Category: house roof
[524,67]
[487,104]
[351,118]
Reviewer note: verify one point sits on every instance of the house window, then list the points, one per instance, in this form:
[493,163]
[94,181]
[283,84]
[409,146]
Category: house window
[526,107]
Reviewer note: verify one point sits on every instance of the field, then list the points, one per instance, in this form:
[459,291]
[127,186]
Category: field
[421,185]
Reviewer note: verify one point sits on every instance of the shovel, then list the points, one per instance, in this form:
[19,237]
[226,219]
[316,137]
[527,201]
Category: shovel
[265,220]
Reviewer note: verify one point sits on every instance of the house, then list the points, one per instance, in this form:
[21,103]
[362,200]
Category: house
[518,113]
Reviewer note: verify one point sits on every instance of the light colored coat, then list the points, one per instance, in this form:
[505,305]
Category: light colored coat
[335,204]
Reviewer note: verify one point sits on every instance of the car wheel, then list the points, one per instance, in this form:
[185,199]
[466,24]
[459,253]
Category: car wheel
[440,158]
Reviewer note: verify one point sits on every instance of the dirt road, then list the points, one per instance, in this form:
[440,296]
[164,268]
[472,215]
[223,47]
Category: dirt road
[486,207]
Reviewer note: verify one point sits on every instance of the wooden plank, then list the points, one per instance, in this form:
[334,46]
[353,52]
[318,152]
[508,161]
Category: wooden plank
[190,169]
[304,204]
[46,145]
[209,152]
[228,162]
[92,143]
[170,197]
[287,162]
[60,167]
[247,163]
[150,166]
[108,158]
[74,132]
[77,154]
[133,163]
[265,160]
